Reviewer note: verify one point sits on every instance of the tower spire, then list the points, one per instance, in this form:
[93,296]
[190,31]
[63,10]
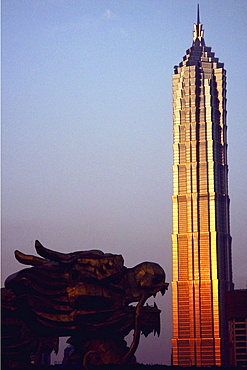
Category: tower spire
[198,31]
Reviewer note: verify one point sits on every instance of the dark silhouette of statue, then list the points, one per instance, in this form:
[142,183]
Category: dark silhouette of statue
[86,295]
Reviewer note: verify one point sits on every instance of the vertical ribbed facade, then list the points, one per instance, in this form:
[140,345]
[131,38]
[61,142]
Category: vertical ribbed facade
[201,241]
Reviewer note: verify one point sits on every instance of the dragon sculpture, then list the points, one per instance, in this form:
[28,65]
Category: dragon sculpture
[86,295]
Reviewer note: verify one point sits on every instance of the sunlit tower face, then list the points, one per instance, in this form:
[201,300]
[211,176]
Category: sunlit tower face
[201,241]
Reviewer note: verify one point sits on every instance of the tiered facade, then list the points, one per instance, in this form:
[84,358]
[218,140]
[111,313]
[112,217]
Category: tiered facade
[201,238]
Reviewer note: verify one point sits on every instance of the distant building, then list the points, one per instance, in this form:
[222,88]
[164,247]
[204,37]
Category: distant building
[67,353]
[236,315]
[201,241]
[45,358]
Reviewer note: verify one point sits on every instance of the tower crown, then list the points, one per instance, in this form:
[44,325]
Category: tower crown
[198,32]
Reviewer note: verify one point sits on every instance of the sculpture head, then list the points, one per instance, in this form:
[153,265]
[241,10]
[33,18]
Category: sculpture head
[147,278]
[85,289]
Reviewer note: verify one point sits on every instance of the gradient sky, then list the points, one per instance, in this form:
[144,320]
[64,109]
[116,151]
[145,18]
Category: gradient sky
[87,128]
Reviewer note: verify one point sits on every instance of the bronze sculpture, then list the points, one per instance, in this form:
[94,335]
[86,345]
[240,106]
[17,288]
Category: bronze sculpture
[86,295]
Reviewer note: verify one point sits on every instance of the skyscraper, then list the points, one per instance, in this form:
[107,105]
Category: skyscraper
[201,241]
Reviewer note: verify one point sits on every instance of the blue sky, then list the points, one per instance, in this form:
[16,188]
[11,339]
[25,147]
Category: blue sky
[87,128]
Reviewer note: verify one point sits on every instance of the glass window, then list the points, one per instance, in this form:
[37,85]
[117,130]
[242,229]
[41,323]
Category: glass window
[242,356]
[241,350]
[241,344]
[240,337]
[240,331]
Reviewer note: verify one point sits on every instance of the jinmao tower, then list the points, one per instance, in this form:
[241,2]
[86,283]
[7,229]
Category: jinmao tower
[201,241]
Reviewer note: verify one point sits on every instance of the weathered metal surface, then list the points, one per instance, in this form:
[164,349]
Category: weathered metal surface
[86,295]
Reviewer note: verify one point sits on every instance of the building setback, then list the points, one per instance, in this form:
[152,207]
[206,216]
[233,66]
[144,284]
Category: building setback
[201,241]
